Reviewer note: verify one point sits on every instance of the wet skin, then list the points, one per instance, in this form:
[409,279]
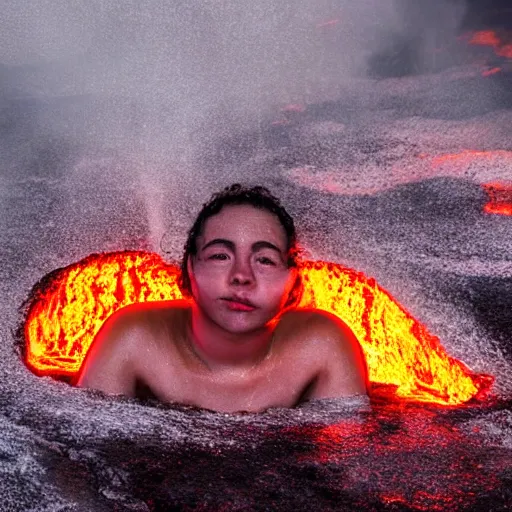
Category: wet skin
[233,347]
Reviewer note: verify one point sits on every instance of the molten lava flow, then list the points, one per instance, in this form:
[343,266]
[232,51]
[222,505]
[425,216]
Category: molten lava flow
[488,167]
[492,71]
[490,38]
[467,156]
[399,350]
[500,198]
[485,38]
[481,166]
[69,306]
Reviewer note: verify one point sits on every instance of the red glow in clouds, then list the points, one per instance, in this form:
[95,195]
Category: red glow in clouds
[68,307]
[490,38]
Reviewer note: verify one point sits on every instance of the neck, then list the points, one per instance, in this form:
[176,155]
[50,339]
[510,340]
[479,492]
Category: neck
[221,350]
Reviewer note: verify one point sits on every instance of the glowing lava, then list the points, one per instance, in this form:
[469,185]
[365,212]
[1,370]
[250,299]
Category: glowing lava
[500,198]
[478,165]
[492,71]
[67,308]
[467,156]
[490,38]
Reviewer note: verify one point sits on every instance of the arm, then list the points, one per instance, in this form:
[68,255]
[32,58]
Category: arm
[344,371]
[109,364]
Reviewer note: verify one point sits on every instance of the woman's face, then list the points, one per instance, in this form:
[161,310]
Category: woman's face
[240,278]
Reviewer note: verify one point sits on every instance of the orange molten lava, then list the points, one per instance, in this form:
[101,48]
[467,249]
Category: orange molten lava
[69,306]
[500,198]
[490,38]
[467,156]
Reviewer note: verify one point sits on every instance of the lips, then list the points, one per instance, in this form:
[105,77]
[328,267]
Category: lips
[239,304]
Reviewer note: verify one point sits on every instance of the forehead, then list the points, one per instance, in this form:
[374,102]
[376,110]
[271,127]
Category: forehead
[241,223]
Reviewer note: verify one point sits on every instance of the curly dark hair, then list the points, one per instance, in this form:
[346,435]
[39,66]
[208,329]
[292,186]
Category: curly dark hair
[236,194]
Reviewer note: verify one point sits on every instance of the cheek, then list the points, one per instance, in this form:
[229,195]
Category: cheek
[274,286]
[207,277]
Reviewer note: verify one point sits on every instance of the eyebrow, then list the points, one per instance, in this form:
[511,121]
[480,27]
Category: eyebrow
[256,246]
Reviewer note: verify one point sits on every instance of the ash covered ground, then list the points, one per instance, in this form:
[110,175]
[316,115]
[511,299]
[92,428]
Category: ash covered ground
[382,172]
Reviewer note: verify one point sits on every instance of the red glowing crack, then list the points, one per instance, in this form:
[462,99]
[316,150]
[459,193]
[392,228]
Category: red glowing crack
[500,198]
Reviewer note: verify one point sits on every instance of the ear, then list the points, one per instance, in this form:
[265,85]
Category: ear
[189,265]
[191,277]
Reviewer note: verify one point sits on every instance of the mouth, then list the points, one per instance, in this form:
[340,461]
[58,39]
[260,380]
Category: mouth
[238,304]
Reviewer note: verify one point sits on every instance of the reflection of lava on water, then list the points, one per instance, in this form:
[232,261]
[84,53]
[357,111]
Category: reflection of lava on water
[68,307]
[417,439]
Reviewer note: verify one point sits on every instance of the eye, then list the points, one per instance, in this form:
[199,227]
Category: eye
[219,257]
[266,261]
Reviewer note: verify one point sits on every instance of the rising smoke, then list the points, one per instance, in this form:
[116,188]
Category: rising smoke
[190,65]
[159,82]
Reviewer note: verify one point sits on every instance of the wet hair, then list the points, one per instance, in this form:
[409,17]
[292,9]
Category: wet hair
[258,197]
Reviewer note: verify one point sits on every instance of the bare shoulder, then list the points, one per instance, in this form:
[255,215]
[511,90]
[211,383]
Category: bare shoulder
[127,336]
[315,324]
[147,319]
[343,369]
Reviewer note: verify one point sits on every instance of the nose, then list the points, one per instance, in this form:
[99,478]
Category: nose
[242,274]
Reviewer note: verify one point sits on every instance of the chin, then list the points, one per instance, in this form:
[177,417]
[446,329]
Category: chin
[241,325]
